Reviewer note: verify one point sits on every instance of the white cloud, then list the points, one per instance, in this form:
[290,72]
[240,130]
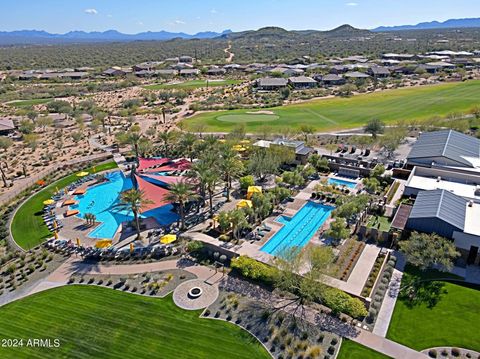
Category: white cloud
[179,22]
[140,23]
[351,4]
[91,11]
[109,15]
[213,11]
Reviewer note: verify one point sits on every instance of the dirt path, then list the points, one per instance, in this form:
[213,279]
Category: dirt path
[228,53]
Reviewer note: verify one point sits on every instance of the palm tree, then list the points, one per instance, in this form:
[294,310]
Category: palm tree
[186,144]
[238,221]
[231,168]
[134,138]
[181,193]
[166,138]
[134,200]
[211,181]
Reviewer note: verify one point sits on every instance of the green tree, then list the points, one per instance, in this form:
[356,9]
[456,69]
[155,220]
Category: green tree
[44,121]
[246,181]
[181,193]
[372,184]
[238,221]
[26,127]
[5,142]
[135,201]
[374,127]
[429,250]
[338,229]
[231,168]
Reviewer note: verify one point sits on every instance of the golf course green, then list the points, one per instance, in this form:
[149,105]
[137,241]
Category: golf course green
[390,106]
[95,322]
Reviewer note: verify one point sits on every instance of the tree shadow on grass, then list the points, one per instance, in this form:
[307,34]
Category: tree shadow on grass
[427,293]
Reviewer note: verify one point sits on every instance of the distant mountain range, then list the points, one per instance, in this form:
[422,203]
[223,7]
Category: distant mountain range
[43,37]
[448,24]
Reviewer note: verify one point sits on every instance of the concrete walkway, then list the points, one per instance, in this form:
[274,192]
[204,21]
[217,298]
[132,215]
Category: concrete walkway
[388,305]
[386,346]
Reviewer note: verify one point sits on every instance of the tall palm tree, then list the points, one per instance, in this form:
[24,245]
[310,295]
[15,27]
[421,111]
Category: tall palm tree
[238,221]
[167,139]
[211,182]
[134,200]
[186,144]
[133,138]
[181,193]
[231,167]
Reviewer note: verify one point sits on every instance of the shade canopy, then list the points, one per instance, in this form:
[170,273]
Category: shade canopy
[155,194]
[48,202]
[82,174]
[168,238]
[144,163]
[253,189]
[244,203]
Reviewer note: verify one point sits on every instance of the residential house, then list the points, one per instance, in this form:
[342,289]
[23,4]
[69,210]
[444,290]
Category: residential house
[216,71]
[6,126]
[114,71]
[302,82]
[189,72]
[271,83]
[330,79]
[379,72]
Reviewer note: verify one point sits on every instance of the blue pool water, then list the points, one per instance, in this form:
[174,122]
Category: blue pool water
[101,200]
[298,230]
[340,182]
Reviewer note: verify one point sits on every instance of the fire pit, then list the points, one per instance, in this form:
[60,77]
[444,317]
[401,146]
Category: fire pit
[195,292]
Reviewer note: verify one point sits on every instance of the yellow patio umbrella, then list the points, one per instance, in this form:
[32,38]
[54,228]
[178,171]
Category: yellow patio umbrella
[48,202]
[131,247]
[78,242]
[253,189]
[245,142]
[82,174]
[222,140]
[103,243]
[55,225]
[168,238]
[239,148]
[244,203]
[55,235]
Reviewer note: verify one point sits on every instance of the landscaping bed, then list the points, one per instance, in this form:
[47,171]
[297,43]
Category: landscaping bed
[347,258]
[159,283]
[282,334]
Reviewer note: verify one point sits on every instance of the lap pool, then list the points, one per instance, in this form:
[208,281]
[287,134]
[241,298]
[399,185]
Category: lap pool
[101,200]
[341,182]
[299,229]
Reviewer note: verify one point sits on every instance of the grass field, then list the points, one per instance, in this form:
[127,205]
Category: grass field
[94,322]
[193,84]
[407,104]
[28,228]
[27,103]
[352,350]
[447,315]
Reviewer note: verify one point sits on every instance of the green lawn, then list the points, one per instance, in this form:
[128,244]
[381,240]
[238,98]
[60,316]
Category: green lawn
[193,84]
[352,350]
[94,322]
[28,228]
[411,104]
[27,103]
[446,315]
[384,222]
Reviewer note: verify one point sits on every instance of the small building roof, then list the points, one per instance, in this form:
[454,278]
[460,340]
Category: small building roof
[331,77]
[6,124]
[302,80]
[357,75]
[451,144]
[401,216]
[379,70]
[440,204]
[272,82]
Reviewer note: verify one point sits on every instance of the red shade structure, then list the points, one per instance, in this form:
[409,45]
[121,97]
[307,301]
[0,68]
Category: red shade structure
[154,193]
[144,163]
[166,179]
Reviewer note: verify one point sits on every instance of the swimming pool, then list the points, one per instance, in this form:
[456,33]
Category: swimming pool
[299,229]
[340,182]
[101,200]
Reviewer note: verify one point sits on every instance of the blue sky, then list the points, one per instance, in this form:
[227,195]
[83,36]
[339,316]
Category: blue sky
[190,16]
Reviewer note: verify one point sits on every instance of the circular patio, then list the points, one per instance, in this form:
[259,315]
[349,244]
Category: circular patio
[203,294]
